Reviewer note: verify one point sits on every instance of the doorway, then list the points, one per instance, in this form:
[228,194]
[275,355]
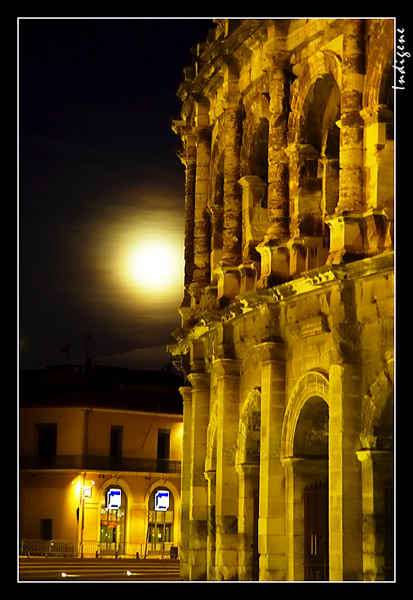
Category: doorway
[112,521]
[307,493]
[311,444]
[316,532]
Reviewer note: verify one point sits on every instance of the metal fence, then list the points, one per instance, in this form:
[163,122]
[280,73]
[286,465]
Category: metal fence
[58,548]
[91,549]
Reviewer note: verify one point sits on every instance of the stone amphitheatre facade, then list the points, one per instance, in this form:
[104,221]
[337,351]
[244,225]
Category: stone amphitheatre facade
[287,317]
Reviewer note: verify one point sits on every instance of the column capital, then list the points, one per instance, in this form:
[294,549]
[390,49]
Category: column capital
[271,351]
[227,366]
[374,456]
[199,381]
[186,393]
[277,61]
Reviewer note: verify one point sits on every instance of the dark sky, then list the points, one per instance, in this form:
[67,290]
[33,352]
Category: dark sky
[97,167]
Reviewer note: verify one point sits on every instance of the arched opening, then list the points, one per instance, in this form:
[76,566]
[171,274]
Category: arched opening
[258,158]
[255,199]
[113,521]
[314,163]
[210,475]
[377,461]
[160,535]
[248,467]
[322,133]
[216,212]
[378,115]
[305,453]
[311,446]
[385,142]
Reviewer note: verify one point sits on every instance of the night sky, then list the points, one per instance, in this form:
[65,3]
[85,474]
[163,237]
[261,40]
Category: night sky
[97,171]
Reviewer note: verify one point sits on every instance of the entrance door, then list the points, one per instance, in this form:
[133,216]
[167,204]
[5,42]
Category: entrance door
[316,532]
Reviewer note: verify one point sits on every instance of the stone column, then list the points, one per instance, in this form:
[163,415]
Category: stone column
[377,472]
[351,135]
[186,393]
[277,143]
[188,158]
[271,523]
[226,510]
[273,250]
[198,508]
[345,513]
[202,242]
[228,275]
[345,227]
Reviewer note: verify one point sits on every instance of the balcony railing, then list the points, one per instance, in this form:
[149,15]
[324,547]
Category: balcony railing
[101,463]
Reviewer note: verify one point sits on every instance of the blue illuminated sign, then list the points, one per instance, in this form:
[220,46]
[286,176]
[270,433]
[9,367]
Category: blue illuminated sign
[113,498]
[162,500]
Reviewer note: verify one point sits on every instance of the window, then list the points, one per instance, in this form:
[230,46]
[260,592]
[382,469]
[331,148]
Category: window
[116,434]
[161,521]
[46,441]
[46,526]
[163,443]
[163,450]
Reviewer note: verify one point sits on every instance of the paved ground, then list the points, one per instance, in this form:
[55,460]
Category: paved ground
[83,569]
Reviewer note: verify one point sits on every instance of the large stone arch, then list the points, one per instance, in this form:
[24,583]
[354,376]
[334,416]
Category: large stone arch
[377,463]
[248,441]
[306,464]
[378,115]
[380,55]
[377,413]
[247,462]
[211,453]
[314,150]
[313,383]
[318,65]
[210,475]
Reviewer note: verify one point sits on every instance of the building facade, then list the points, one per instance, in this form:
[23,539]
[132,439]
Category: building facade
[100,463]
[287,316]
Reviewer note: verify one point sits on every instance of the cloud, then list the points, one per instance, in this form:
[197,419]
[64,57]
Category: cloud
[152,358]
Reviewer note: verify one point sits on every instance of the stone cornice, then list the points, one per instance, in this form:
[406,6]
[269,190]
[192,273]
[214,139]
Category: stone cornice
[310,281]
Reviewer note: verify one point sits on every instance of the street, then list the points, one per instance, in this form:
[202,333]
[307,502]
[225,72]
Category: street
[78,569]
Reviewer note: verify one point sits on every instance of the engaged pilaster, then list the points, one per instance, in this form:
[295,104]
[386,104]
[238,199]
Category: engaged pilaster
[345,514]
[271,523]
[198,507]
[377,477]
[226,511]
[186,393]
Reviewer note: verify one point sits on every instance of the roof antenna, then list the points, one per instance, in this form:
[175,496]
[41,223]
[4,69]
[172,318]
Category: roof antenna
[150,426]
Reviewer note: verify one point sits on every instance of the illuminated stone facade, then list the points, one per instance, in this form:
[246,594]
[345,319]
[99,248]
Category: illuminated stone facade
[287,316]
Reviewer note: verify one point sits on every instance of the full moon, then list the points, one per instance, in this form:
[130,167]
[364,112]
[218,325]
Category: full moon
[155,265]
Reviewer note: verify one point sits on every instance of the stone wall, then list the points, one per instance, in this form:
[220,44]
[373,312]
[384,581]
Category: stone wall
[287,316]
